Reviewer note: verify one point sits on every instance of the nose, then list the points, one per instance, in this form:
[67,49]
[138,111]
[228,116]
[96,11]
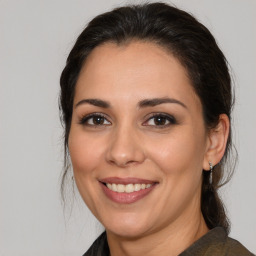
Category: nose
[125,148]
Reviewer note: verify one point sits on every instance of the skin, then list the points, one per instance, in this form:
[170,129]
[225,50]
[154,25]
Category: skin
[128,143]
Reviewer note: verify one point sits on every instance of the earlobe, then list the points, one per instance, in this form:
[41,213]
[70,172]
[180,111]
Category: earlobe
[217,141]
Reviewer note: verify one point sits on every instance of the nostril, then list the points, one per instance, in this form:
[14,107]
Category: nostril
[125,151]
[124,163]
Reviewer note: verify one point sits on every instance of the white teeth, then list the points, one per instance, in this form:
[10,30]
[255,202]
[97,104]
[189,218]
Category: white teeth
[121,188]
[137,187]
[129,188]
[114,187]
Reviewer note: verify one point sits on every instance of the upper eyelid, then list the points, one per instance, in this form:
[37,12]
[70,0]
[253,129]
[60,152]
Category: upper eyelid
[88,116]
[155,114]
[146,118]
[95,114]
[167,116]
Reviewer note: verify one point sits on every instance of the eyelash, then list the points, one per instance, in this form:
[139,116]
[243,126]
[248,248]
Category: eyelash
[85,119]
[165,117]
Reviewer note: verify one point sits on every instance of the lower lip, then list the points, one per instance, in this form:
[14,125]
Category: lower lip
[126,198]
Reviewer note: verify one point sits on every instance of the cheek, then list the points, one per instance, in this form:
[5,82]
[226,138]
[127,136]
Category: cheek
[85,152]
[178,154]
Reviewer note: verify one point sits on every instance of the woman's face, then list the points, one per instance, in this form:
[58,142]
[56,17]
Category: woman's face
[137,140]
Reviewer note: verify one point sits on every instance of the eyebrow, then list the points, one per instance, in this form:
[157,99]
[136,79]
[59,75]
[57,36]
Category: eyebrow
[142,104]
[157,101]
[94,102]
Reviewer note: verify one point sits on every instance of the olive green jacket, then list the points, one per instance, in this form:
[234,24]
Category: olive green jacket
[214,243]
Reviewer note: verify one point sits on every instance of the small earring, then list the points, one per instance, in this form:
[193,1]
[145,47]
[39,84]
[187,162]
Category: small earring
[211,166]
[211,169]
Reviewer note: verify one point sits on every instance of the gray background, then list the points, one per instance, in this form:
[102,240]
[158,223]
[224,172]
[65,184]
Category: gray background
[35,38]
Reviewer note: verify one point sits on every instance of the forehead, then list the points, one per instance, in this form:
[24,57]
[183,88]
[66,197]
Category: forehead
[140,69]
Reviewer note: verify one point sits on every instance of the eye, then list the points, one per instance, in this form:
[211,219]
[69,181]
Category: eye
[95,119]
[160,120]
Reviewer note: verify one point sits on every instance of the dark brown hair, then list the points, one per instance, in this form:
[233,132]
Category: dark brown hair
[193,45]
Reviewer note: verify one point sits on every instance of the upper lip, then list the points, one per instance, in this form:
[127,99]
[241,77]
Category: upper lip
[126,181]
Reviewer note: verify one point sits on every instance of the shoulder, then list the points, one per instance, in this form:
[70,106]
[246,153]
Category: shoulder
[233,248]
[216,242]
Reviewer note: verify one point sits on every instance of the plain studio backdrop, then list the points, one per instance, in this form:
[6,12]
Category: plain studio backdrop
[35,39]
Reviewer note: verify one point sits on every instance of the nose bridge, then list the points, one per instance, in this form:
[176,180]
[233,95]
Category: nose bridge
[125,147]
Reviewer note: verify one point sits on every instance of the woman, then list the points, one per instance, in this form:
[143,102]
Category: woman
[146,104]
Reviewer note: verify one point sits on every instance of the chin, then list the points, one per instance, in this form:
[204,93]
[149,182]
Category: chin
[128,228]
[127,232]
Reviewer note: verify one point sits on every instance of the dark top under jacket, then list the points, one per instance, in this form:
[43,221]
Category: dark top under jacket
[214,243]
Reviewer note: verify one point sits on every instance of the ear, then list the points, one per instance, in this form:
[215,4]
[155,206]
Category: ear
[216,142]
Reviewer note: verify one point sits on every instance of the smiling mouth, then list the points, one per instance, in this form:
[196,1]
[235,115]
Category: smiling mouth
[129,188]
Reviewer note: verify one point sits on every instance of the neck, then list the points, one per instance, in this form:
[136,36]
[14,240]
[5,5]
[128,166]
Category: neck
[170,241]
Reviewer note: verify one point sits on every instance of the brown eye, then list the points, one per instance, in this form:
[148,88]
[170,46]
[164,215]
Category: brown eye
[98,120]
[161,120]
[94,120]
